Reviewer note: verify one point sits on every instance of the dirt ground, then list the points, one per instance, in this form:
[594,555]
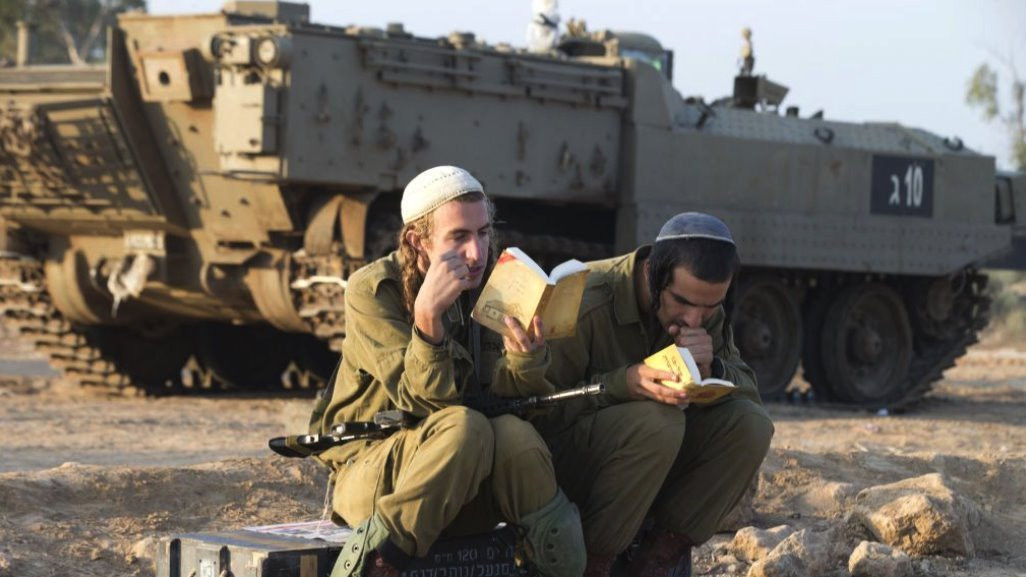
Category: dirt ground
[88,484]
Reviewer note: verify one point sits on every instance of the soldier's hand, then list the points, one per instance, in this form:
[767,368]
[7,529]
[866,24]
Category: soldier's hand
[644,382]
[443,282]
[522,341]
[698,342]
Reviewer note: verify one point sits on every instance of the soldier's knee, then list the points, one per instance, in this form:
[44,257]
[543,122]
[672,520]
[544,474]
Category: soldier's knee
[514,437]
[468,430]
[656,428]
[753,428]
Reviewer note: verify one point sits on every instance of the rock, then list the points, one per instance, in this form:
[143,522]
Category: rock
[821,551]
[921,515]
[879,560]
[726,560]
[830,497]
[783,565]
[752,544]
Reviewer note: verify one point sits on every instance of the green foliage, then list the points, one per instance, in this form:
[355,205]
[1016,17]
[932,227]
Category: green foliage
[64,31]
[983,92]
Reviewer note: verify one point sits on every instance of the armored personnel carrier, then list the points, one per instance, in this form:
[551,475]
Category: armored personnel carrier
[186,215]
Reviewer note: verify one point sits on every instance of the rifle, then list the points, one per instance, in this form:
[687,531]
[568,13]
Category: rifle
[387,422]
[492,405]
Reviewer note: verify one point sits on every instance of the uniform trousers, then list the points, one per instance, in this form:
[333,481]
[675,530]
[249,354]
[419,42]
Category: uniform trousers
[684,469]
[456,472]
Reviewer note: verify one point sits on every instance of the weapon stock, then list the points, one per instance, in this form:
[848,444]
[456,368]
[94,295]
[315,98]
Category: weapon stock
[299,446]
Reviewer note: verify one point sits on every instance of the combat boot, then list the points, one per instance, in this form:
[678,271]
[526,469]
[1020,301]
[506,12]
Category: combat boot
[599,565]
[662,554]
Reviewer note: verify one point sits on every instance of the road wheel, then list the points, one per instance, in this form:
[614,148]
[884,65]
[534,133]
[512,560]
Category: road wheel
[866,345]
[768,332]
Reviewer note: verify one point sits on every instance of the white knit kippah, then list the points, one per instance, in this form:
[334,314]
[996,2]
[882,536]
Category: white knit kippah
[433,188]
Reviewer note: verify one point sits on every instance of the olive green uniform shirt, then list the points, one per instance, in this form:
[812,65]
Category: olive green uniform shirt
[453,469]
[387,365]
[621,459]
[612,335]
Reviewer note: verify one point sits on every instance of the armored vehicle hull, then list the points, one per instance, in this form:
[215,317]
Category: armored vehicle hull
[188,219]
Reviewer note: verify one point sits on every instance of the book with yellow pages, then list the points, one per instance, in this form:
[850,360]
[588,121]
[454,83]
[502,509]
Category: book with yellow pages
[678,360]
[518,287]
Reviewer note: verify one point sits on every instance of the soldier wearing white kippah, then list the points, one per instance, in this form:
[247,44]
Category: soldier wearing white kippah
[411,345]
[644,451]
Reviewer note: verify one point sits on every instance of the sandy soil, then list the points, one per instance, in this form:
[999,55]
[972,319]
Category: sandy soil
[88,484]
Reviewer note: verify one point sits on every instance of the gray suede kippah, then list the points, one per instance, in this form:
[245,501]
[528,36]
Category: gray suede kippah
[695,225]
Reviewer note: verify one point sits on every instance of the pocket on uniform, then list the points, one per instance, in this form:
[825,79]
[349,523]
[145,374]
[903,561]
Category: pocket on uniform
[360,481]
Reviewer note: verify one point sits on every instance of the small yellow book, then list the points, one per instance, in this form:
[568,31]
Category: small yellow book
[518,287]
[678,360]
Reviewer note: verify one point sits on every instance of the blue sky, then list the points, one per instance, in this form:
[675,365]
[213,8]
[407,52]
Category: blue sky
[904,61]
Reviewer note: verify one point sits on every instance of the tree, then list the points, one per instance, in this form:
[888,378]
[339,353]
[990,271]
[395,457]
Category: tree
[983,92]
[64,31]
[1008,308]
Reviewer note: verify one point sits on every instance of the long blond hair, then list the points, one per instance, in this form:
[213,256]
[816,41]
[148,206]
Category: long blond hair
[412,278]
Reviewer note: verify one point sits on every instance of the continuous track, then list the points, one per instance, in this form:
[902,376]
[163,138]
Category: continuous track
[27,309]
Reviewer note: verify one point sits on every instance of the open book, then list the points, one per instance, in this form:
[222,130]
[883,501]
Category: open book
[678,360]
[518,287]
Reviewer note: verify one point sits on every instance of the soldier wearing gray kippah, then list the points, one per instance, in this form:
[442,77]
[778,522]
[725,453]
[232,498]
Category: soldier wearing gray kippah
[695,225]
[644,451]
[411,345]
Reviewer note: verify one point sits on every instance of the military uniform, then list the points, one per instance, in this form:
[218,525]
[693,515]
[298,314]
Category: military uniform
[482,471]
[620,459]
